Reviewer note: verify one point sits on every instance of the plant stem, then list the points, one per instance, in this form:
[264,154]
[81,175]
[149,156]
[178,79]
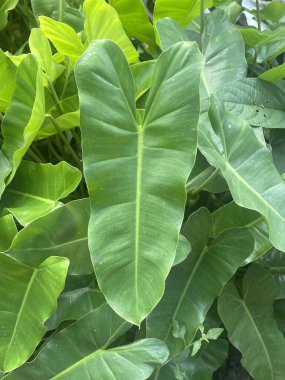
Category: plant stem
[54,95]
[65,141]
[202,16]
[207,180]
[258,15]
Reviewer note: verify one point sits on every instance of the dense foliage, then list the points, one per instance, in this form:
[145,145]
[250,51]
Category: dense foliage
[142,225]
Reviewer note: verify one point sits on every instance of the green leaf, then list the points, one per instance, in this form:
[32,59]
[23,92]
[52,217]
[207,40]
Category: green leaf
[277,143]
[135,21]
[273,11]
[251,326]
[148,160]
[274,74]
[40,47]
[142,73]
[183,11]
[169,32]
[192,286]
[275,261]
[223,48]
[255,38]
[232,215]
[182,250]
[5,7]
[5,169]
[7,79]
[8,230]
[25,114]
[28,304]
[196,347]
[260,103]
[63,37]
[62,232]
[248,168]
[102,22]
[37,188]
[198,367]
[87,355]
[214,333]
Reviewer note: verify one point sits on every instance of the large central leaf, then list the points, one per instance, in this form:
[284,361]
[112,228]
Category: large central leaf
[136,167]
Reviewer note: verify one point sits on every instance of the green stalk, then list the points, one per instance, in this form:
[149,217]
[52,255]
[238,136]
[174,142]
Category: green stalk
[202,16]
[54,95]
[204,183]
[258,15]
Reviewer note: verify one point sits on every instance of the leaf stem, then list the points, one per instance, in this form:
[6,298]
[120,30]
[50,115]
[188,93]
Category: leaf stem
[204,183]
[258,15]
[54,95]
[202,16]
[65,141]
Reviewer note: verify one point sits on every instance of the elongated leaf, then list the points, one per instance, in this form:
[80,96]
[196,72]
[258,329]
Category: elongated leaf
[88,356]
[248,168]
[25,114]
[142,73]
[232,215]
[5,7]
[28,304]
[37,188]
[192,286]
[135,21]
[274,260]
[170,32]
[274,74]
[5,169]
[223,48]
[254,38]
[40,47]
[183,11]
[251,326]
[199,367]
[102,22]
[127,221]
[63,37]
[8,230]
[182,250]
[62,232]
[277,143]
[260,103]
[7,80]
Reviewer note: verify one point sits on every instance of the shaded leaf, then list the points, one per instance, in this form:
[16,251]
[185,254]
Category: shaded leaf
[8,230]
[7,79]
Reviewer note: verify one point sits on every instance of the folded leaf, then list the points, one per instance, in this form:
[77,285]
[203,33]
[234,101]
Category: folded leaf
[62,232]
[30,300]
[251,327]
[230,144]
[192,286]
[8,230]
[5,7]
[37,188]
[136,169]
[7,80]
[87,355]
[5,169]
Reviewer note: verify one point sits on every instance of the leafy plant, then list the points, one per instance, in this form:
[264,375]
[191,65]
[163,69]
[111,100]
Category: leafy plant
[142,215]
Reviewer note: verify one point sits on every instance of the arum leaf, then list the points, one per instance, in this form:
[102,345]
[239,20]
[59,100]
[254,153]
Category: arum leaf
[40,47]
[275,261]
[63,37]
[32,299]
[37,188]
[5,169]
[7,79]
[62,232]
[183,12]
[251,326]
[277,140]
[274,74]
[170,32]
[223,146]
[232,215]
[142,73]
[5,7]
[102,22]
[260,103]
[189,292]
[8,230]
[254,38]
[135,21]
[87,341]
[223,48]
[128,219]
[25,113]
[182,250]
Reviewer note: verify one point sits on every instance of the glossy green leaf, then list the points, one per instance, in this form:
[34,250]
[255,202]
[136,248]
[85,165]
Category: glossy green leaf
[7,80]
[199,367]
[8,230]
[5,169]
[63,37]
[223,48]
[5,7]
[88,355]
[248,168]
[169,32]
[249,320]
[142,73]
[102,22]
[273,11]
[25,114]
[277,143]
[62,232]
[40,47]
[262,104]
[182,250]
[134,19]
[37,188]
[254,38]
[192,286]
[30,300]
[232,215]
[274,74]
[142,155]
[183,11]
[274,260]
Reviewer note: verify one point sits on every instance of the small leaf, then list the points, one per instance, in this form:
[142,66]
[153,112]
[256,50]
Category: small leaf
[178,330]
[214,333]
[196,347]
